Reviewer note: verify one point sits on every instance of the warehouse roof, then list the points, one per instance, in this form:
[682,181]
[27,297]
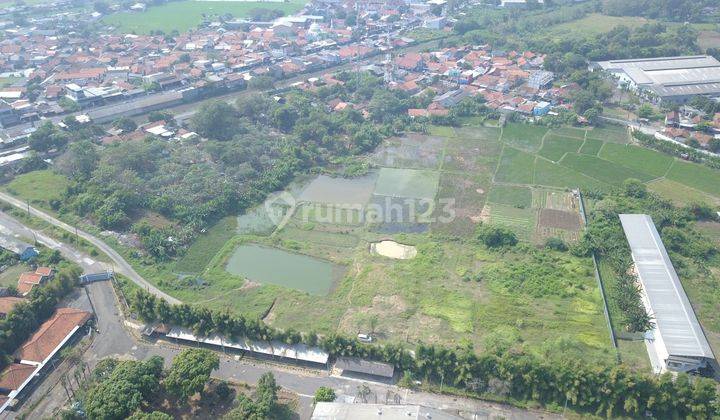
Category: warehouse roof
[275,348]
[346,411]
[358,365]
[675,321]
[671,76]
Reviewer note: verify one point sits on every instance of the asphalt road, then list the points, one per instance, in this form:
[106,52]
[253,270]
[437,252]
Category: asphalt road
[121,266]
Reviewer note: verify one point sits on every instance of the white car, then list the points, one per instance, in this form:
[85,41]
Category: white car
[365,338]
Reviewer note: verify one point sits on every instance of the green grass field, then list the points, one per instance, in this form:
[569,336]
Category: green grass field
[39,187]
[188,14]
[524,136]
[595,23]
[554,175]
[638,158]
[591,147]
[697,176]
[610,134]
[578,133]
[206,246]
[520,197]
[554,146]
[602,170]
[681,194]
[515,167]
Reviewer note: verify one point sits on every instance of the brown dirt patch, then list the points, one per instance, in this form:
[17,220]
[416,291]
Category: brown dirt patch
[559,219]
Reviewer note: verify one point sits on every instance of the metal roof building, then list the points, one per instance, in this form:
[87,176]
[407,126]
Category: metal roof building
[675,79]
[298,352]
[677,341]
[346,411]
[366,367]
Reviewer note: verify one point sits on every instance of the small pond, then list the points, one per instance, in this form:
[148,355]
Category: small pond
[267,265]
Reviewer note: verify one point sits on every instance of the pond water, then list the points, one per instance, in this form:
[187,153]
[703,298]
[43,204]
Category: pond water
[326,189]
[267,265]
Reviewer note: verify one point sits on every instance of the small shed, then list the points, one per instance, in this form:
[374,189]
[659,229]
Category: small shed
[23,250]
[360,366]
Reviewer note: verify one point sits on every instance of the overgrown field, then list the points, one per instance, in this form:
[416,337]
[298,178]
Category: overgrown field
[455,290]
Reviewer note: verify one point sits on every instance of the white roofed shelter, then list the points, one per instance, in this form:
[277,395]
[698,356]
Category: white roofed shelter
[677,342]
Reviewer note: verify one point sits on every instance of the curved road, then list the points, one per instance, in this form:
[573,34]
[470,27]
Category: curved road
[122,266]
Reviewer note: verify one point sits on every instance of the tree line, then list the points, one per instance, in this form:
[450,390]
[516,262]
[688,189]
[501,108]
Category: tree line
[511,375]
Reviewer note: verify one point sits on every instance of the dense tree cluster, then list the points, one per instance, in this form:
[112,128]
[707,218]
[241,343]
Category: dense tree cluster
[264,406]
[123,389]
[672,10]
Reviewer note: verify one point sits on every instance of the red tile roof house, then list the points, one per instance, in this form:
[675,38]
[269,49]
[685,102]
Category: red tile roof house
[35,353]
[51,336]
[29,280]
[7,303]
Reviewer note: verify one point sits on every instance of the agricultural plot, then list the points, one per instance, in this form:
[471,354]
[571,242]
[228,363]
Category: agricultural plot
[520,197]
[681,194]
[554,175]
[472,153]
[697,176]
[610,133]
[515,167]
[344,215]
[577,133]
[637,158]
[411,151]
[441,131]
[555,147]
[601,169]
[468,196]
[408,183]
[524,136]
[388,214]
[340,191]
[591,147]
[521,221]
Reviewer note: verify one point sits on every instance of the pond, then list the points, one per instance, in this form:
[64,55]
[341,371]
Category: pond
[329,190]
[267,265]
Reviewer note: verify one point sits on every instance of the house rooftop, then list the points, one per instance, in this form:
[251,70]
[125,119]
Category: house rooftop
[14,375]
[52,334]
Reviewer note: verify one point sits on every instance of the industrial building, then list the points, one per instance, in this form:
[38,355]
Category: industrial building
[671,79]
[676,342]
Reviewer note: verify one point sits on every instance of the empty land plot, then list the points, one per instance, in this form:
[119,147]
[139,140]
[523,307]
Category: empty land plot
[696,176]
[471,154]
[578,133]
[556,200]
[601,169]
[521,221]
[520,197]
[345,215]
[638,158]
[515,167]
[610,133]
[204,248]
[591,147]
[553,175]
[469,195]
[410,183]
[413,151]
[559,219]
[524,136]
[681,194]
[479,132]
[330,239]
[554,146]
[39,187]
[441,130]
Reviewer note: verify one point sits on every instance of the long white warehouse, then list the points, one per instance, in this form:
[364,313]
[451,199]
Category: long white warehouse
[677,342]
